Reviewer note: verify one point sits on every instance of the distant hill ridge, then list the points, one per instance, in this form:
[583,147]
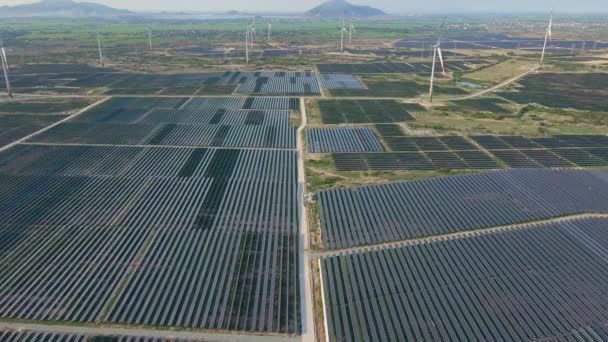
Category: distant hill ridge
[337,8]
[60,8]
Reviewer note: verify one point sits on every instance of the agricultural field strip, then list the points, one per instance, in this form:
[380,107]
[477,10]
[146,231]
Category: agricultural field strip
[521,289]
[407,210]
[326,140]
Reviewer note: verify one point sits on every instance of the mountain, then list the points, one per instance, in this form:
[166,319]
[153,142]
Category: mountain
[60,8]
[337,8]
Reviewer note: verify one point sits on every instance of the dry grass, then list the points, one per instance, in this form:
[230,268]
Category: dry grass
[501,71]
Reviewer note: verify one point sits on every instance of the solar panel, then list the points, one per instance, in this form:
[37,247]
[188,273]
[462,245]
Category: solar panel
[457,143]
[580,157]
[401,144]
[429,143]
[515,159]
[478,160]
[490,142]
[446,160]
[518,141]
[546,158]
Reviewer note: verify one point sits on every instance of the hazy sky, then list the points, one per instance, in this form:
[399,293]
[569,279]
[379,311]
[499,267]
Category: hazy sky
[395,6]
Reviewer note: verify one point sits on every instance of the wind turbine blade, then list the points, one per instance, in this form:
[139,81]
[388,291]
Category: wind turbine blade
[5,69]
[548,35]
[441,60]
[432,76]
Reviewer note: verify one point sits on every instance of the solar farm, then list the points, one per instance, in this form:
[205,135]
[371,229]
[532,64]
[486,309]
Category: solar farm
[136,197]
[212,179]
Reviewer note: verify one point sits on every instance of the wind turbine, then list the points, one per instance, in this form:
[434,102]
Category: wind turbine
[99,47]
[436,52]
[5,69]
[351,29]
[150,36]
[342,31]
[252,32]
[548,36]
[269,28]
[247,45]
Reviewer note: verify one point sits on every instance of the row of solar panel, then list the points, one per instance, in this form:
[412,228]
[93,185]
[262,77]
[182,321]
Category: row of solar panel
[278,82]
[414,161]
[398,142]
[22,335]
[536,283]
[215,231]
[406,210]
[462,160]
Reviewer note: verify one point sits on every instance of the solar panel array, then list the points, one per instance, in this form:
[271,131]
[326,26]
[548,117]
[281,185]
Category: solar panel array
[326,140]
[21,335]
[389,68]
[457,152]
[398,211]
[366,111]
[33,336]
[18,126]
[214,83]
[96,233]
[340,81]
[199,122]
[551,152]
[543,282]
[280,82]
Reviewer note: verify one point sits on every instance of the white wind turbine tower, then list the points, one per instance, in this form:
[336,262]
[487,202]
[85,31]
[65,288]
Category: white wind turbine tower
[548,36]
[252,32]
[5,69]
[351,29]
[342,31]
[247,45]
[150,36]
[436,52]
[269,28]
[99,47]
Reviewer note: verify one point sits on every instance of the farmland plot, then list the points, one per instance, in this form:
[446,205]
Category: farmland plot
[398,211]
[539,282]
